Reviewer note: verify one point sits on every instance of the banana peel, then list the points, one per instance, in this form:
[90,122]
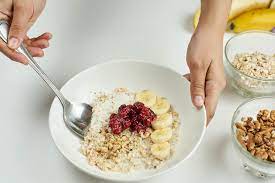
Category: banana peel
[260,19]
[196,18]
[238,7]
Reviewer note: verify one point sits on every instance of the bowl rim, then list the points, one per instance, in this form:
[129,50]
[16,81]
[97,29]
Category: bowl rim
[230,63]
[235,141]
[125,60]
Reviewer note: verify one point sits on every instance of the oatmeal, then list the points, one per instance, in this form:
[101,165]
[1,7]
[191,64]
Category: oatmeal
[252,74]
[257,136]
[130,131]
[256,65]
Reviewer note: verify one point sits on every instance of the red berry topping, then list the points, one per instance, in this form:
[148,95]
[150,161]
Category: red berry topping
[137,117]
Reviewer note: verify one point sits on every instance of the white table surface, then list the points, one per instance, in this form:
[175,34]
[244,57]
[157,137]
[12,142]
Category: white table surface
[85,33]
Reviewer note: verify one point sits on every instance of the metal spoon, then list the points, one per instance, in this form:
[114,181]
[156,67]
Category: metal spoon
[77,116]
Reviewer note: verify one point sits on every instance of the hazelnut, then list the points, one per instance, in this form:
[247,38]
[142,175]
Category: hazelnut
[257,125]
[271,155]
[272,115]
[240,126]
[262,154]
[258,138]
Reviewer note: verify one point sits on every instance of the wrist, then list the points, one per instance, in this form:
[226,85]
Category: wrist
[210,30]
[214,16]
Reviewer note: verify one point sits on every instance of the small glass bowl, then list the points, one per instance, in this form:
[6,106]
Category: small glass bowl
[258,167]
[248,42]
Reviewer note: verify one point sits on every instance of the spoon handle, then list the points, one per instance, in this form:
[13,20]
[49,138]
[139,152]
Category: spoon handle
[4,28]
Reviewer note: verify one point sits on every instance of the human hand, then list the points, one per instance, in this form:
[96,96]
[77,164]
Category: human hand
[22,14]
[204,59]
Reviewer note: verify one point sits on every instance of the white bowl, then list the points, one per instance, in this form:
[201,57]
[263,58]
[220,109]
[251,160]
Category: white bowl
[135,76]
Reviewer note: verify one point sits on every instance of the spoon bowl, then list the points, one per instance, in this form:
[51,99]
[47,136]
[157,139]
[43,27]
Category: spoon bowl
[77,117]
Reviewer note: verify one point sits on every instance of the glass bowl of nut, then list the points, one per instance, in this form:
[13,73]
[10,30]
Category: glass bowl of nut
[250,63]
[253,135]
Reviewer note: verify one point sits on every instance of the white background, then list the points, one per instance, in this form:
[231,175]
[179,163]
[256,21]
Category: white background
[85,33]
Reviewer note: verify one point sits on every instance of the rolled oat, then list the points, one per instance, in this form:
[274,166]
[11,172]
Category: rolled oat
[255,64]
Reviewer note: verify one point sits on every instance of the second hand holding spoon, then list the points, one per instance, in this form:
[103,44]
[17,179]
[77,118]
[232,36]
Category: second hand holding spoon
[77,116]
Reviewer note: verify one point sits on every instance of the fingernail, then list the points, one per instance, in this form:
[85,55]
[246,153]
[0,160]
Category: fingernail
[198,100]
[13,43]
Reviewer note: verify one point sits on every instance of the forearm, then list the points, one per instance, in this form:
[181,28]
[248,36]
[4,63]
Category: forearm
[214,15]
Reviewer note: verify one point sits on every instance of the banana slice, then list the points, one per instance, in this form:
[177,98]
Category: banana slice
[161,106]
[163,121]
[147,97]
[161,150]
[162,135]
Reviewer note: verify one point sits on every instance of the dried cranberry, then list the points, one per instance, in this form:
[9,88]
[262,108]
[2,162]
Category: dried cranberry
[125,111]
[126,123]
[140,128]
[148,116]
[134,123]
[114,123]
[117,129]
[139,106]
[113,119]
[146,122]
[113,115]
[144,113]
[121,107]
[137,117]
[132,112]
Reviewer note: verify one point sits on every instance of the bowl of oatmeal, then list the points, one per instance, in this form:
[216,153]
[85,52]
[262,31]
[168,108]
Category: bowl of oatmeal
[143,123]
[250,63]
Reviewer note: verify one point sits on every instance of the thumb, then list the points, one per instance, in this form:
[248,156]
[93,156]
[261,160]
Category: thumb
[18,29]
[197,77]
[211,100]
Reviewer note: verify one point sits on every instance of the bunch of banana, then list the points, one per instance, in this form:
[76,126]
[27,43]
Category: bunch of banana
[238,7]
[162,126]
[249,15]
[260,19]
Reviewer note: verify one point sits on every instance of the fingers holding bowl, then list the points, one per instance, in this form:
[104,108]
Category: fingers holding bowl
[213,90]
